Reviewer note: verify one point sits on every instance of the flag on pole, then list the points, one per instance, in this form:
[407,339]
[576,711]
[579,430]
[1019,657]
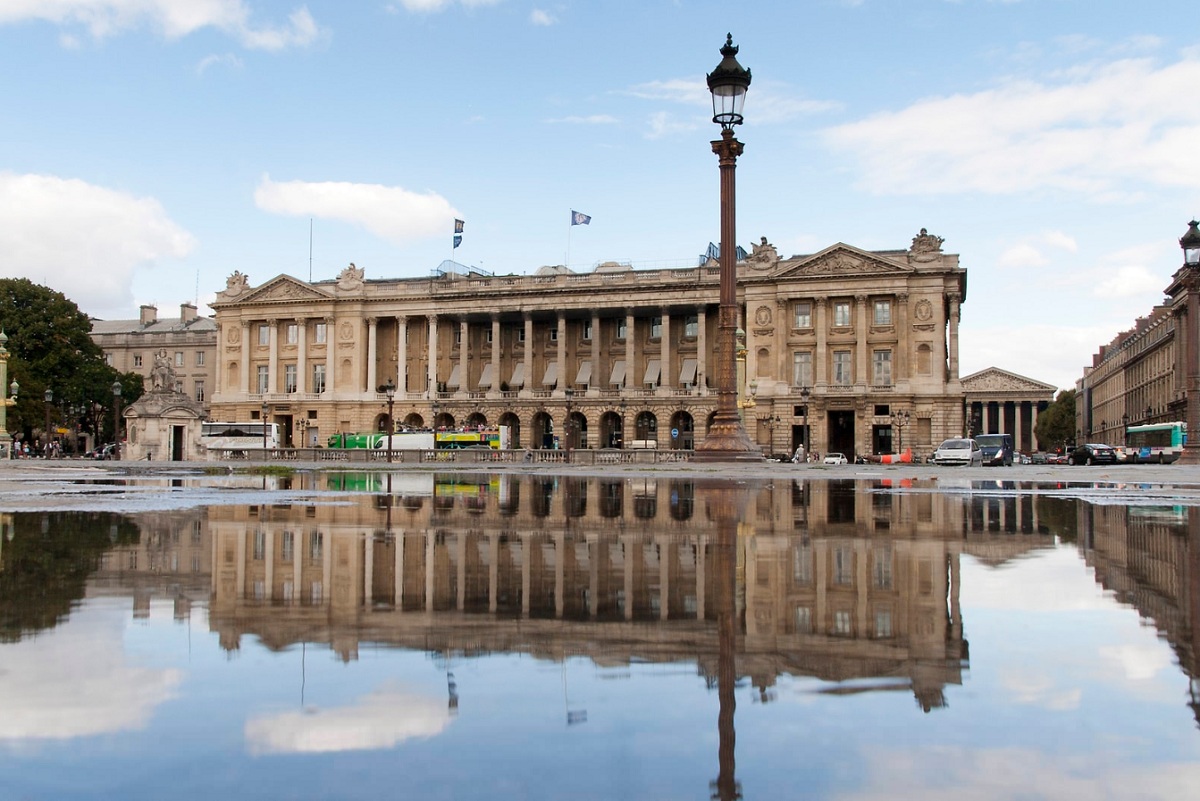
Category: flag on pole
[458,226]
[457,240]
[579,218]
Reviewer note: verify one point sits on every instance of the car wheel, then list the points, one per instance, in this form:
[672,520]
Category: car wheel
[1071,460]
[1089,462]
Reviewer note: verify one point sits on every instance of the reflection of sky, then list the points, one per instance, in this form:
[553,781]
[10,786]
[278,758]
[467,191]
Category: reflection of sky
[77,680]
[1068,695]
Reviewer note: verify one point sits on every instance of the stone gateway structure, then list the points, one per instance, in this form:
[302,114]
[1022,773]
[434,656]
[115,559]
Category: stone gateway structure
[837,343]
[164,423]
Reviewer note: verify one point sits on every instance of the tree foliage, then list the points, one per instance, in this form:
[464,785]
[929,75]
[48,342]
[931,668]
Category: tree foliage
[50,347]
[1056,426]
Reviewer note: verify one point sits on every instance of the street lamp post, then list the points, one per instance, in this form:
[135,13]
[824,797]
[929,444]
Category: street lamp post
[1190,242]
[900,419]
[726,439]
[569,394]
[389,389]
[804,398]
[48,397]
[116,391]
[264,411]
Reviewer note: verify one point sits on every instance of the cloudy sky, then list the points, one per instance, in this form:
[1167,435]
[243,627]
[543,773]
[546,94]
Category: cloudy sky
[149,148]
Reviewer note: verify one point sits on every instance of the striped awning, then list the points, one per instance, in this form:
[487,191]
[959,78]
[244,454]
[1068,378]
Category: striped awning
[653,369]
[688,374]
[455,377]
[550,378]
[518,376]
[618,373]
[487,377]
[584,376]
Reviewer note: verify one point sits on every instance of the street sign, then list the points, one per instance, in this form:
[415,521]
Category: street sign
[674,433]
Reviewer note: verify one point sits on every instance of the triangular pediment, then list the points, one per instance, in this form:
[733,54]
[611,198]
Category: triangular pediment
[839,259]
[284,288]
[993,379]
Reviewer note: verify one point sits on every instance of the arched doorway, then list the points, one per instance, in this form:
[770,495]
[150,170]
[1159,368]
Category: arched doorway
[444,420]
[514,428]
[413,420]
[543,431]
[381,422]
[610,430]
[645,427]
[683,435]
[476,420]
[577,430]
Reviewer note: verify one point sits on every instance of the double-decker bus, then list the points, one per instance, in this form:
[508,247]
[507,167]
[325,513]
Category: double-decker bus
[234,439]
[496,438]
[1155,442]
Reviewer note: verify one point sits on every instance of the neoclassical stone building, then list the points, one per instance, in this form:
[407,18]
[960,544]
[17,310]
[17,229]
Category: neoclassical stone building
[836,342]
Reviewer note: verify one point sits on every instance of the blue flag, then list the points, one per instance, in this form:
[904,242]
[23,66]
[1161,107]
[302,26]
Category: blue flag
[457,240]
[458,226]
[579,218]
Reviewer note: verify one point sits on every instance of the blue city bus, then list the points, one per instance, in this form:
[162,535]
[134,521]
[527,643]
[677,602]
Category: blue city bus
[1155,442]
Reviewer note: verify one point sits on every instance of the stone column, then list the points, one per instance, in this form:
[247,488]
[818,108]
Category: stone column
[368,571]
[599,372]
[1017,425]
[464,351]
[432,371]
[273,357]
[903,340]
[246,388]
[665,353]
[401,355]
[269,562]
[862,377]
[301,354]
[955,313]
[630,366]
[564,380]
[528,356]
[330,355]
[494,389]
[701,348]
[820,365]
[219,366]
[372,355]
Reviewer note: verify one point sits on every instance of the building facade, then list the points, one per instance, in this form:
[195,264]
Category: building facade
[835,343]
[1000,402]
[187,344]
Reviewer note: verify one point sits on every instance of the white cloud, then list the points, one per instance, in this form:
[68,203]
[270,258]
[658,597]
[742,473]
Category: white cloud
[83,240]
[49,692]
[433,6]
[766,102]
[663,124]
[1029,252]
[1128,274]
[378,721]
[593,119]
[173,19]
[1137,662]
[228,60]
[540,17]
[1094,129]
[390,212]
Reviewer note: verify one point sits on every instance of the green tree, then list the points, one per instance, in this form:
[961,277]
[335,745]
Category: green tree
[1056,426]
[50,347]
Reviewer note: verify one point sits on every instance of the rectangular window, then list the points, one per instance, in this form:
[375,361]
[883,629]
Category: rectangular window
[621,329]
[316,546]
[488,335]
[289,378]
[521,334]
[457,336]
[842,374]
[655,327]
[804,620]
[319,333]
[287,546]
[553,334]
[292,334]
[199,392]
[841,314]
[843,566]
[318,384]
[691,326]
[882,573]
[882,368]
[802,565]
[264,335]
[199,358]
[179,358]
[802,369]
[137,361]
[883,312]
[587,330]
[883,623]
[803,315]
[108,359]
[262,379]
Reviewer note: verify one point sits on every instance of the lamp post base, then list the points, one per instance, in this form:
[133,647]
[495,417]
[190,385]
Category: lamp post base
[727,441]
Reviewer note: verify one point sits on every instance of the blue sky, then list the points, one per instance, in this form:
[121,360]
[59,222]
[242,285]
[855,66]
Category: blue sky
[149,148]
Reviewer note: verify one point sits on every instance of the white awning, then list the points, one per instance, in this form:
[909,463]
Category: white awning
[688,374]
[618,373]
[653,368]
[518,376]
[584,376]
[488,376]
[550,379]
[455,376]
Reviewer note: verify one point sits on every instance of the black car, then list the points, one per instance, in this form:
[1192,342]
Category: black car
[1092,453]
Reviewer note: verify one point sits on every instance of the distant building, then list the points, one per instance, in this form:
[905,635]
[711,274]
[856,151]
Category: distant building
[189,342]
[1000,402]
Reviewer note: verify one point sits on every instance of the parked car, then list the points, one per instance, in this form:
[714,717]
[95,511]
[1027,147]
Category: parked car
[958,451]
[1040,458]
[105,452]
[1093,453]
[835,458]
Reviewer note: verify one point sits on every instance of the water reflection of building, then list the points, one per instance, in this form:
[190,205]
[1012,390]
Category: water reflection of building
[1149,557]
[840,580]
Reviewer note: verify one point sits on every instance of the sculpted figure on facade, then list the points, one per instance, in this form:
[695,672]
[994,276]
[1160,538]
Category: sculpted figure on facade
[237,283]
[162,376]
[764,255]
[926,244]
[350,278]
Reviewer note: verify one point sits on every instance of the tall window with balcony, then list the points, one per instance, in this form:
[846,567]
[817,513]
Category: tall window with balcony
[318,385]
[802,375]
[199,391]
[882,362]
[841,314]
[843,374]
[655,327]
[883,312]
[199,358]
[319,333]
[691,326]
[179,358]
[264,335]
[803,315]
[621,331]
[263,385]
[289,378]
[291,332]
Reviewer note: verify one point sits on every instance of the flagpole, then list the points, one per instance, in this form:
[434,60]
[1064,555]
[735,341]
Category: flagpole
[570,225]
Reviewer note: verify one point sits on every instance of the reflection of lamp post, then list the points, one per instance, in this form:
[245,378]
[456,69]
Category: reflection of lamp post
[900,419]
[263,419]
[389,389]
[116,391]
[804,396]
[621,433]
[1190,242]
[726,438]
[569,393]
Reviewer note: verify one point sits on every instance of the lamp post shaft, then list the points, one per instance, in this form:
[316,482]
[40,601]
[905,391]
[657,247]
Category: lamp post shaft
[1191,449]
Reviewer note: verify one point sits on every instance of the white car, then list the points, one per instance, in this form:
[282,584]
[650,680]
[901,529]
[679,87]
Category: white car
[834,458]
[959,451]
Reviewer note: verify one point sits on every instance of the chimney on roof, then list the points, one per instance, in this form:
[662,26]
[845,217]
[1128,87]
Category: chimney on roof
[187,313]
[148,315]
